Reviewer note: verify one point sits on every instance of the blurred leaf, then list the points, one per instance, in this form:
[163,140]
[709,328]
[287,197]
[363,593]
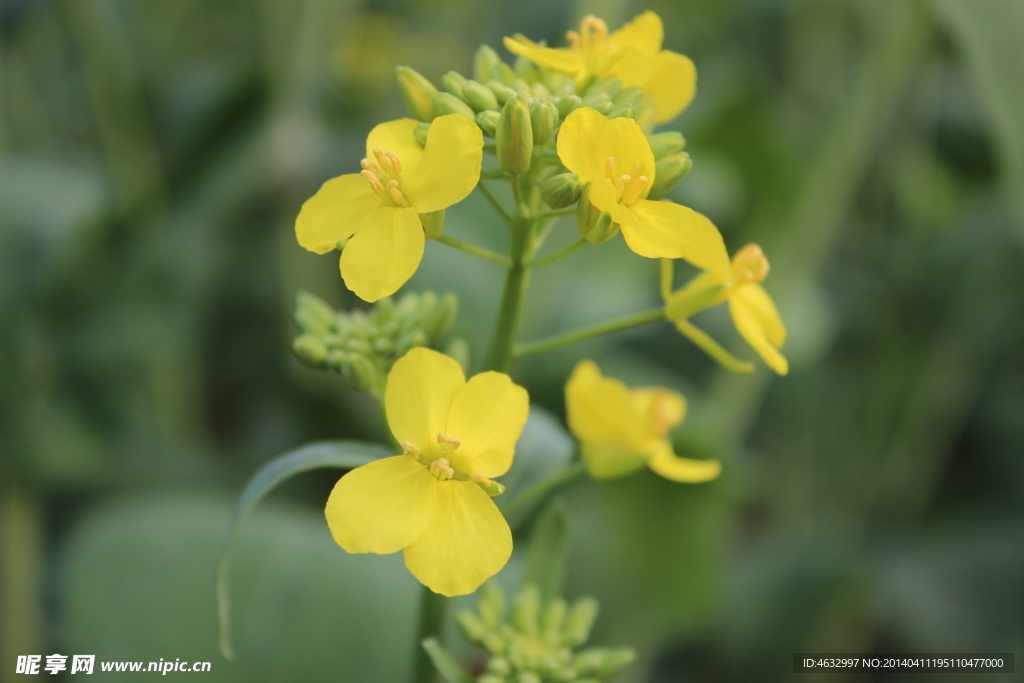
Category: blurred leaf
[339,454]
[447,667]
[545,560]
[989,34]
[136,584]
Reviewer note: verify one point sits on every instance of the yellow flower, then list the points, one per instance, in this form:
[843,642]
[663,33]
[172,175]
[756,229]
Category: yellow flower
[614,155]
[621,430]
[752,309]
[633,54]
[377,210]
[430,502]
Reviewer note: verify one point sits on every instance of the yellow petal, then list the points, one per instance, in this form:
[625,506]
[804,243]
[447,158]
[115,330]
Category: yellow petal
[660,229]
[384,253]
[467,543]
[631,66]
[662,409]
[672,84]
[601,409]
[488,416]
[644,34]
[686,470]
[587,138]
[747,318]
[610,459]
[421,388]
[707,250]
[450,167]
[558,59]
[761,304]
[396,136]
[382,507]
[335,212]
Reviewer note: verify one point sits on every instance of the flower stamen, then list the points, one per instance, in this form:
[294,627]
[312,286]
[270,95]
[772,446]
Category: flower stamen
[374,181]
[749,266]
[396,195]
[633,189]
[410,449]
[440,469]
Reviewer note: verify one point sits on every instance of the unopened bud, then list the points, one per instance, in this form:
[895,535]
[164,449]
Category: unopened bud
[479,96]
[433,224]
[485,61]
[491,678]
[383,346]
[446,103]
[615,660]
[358,372]
[528,677]
[561,190]
[663,144]
[313,314]
[525,69]
[623,111]
[410,340]
[599,102]
[514,136]
[492,604]
[552,619]
[494,643]
[593,224]
[501,91]
[458,349]
[420,131]
[356,345]
[491,488]
[567,105]
[543,118]
[526,609]
[522,88]
[454,82]
[630,94]
[609,86]
[579,621]
[498,666]
[488,122]
[417,92]
[471,625]
[310,351]
[668,172]
[443,314]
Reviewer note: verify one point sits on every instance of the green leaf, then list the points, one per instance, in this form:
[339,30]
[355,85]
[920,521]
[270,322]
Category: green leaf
[339,454]
[446,666]
[545,559]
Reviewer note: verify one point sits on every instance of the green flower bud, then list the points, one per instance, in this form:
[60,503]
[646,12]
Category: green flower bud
[561,190]
[543,118]
[433,224]
[458,349]
[525,69]
[499,666]
[446,103]
[479,96]
[488,122]
[609,85]
[358,372]
[491,605]
[358,346]
[471,625]
[384,309]
[668,172]
[336,358]
[623,111]
[454,83]
[485,62]
[494,643]
[501,91]
[410,340]
[490,678]
[420,132]
[599,102]
[539,91]
[552,620]
[591,222]
[310,351]
[383,346]
[417,92]
[514,136]
[313,314]
[567,105]
[438,320]
[615,660]
[521,87]
[579,621]
[528,677]
[526,609]
[663,144]
[631,94]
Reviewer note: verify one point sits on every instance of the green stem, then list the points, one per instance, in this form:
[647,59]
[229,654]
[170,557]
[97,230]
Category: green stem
[711,347]
[545,487]
[666,278]
[560,254]
[433,607]
[473,249]
[495,204]
[589,332]
[571,211]
[494,174]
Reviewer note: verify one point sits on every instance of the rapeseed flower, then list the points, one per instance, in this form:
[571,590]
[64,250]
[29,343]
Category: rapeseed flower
[633,54]
[431,502]
[621,430]
[377,213]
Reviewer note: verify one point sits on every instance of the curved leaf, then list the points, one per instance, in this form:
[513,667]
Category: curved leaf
[338,454]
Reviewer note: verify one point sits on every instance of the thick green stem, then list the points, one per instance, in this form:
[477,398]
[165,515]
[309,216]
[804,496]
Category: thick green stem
[589,332]
[473,249]
[433,608]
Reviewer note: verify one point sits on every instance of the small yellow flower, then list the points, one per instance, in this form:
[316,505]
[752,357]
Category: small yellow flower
[752,309]
[633,54]
[430,502]
[621,430]
[614,155]
[376,212]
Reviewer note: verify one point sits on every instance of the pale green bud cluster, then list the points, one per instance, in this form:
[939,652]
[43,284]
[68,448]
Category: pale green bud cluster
[537,641]
[362,345]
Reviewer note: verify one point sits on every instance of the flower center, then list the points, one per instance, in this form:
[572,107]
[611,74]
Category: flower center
[661,413]
[749,266]
[628,186]
[385,176]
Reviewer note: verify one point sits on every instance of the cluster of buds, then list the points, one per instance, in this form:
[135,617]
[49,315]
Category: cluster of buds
[538,640]
[362,345]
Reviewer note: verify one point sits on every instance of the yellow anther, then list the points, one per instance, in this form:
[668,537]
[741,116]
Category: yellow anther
[396,195]
[368,165]
[609,168]
[620,185]
[749,266]
[409,449]
[593,30]
[440,469]
[382,158]
[481,479]
[633,189]
[374,181]
[635,171]
[396,165]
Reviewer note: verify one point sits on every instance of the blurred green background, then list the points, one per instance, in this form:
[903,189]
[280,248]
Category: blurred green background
[154,155]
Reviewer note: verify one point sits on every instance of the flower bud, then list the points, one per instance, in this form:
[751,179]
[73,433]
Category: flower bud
[623,111]
[668,172]
[358,372]
[442,316]
[663,144]
[446,103]
[420,132]
[335,359]
[525,70]
[528,677]
[552,620]
[567,105]
[433,224]
[630,94]
[471,625]
[410,340]
[488,122]
[491,678]
[591,222]
[492,604]
[417,92]
[458,349]
[543,118]
[579,621]
[614,660]
[609,86]
[313,315]
[485,63]
[521,87]
[526,609]
[454,83]
[561,190]
[514,136]
[499,666]
[382,346]
[310,351]
[599,102]
[479,96]
[356,345]
[501,91]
